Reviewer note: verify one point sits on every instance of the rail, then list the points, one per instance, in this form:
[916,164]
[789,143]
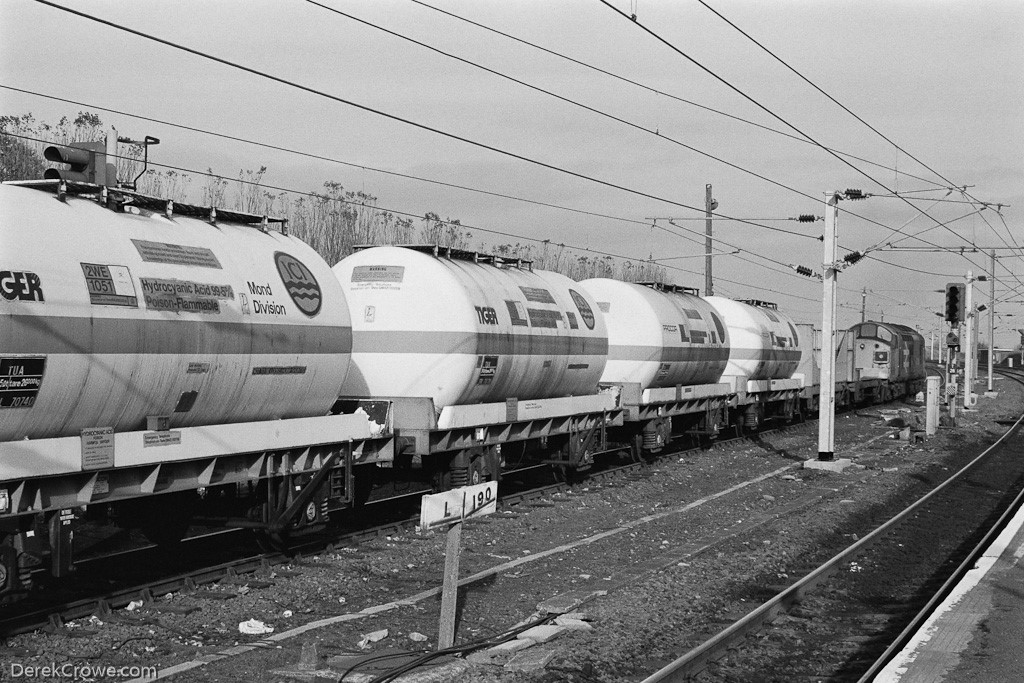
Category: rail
[689,665]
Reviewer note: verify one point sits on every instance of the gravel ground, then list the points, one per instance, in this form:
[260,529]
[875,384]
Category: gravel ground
[667,558]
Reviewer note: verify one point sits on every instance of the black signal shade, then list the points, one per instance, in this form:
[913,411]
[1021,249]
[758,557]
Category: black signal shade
[956,300]
[88,162]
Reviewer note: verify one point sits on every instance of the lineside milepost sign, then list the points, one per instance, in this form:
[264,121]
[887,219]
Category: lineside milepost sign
[452,508]
[459,504]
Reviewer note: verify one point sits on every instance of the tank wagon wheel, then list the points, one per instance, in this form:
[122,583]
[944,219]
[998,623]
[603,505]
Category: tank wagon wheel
[474,473]
[477,471]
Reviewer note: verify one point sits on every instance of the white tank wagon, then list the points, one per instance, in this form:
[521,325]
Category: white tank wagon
[460,328]
[764,354]
[108,317]
[659,337]
[764,342]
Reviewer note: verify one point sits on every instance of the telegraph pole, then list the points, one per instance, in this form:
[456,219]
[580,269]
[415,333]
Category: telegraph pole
[709,205]
[827,397]
[863,304]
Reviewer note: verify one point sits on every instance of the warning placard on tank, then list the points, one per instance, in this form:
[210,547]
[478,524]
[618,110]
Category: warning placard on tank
[20,381]
[110,285]
[377,277]
[538,295]
[97,448]
[184,296]
[178,254]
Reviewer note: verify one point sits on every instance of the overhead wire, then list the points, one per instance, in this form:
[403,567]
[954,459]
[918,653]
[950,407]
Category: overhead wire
[764,108]
[257,72]
[830,97]
[397,212]
[619,77]
[334,160]
[785,268]
[840,104]
[371,110]
[567,100]
[374,207]
[402,175]
[578,104]
[652,89]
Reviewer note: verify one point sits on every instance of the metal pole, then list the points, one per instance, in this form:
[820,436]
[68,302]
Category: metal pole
[863,304]
[827,398]
[931,420]
[991,313]
[709,206]
[970,362]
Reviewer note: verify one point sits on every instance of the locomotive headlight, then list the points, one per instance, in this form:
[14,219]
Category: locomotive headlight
[5,504]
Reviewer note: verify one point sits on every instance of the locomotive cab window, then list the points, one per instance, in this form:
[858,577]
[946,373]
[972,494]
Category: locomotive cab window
[875,332]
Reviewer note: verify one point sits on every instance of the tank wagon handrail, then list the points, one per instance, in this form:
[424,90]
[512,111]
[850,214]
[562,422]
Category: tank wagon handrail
[453,254]
[670,288]
[760,304]
[151,203]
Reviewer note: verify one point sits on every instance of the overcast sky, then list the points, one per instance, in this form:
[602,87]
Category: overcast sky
[943,80]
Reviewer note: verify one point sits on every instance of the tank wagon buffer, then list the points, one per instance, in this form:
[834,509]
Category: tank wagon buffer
[485,363]
[159,360]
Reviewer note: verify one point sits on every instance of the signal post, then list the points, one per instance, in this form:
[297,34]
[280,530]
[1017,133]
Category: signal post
[967,343]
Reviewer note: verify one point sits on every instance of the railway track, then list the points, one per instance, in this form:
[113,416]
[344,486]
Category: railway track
[108,582]
[848,614]
[102,584]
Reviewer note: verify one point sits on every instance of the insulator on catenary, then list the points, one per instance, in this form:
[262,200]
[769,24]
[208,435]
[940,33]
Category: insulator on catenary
[853,257]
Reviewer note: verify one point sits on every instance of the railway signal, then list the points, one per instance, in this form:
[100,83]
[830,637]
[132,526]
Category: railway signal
[955,302]
[88,162]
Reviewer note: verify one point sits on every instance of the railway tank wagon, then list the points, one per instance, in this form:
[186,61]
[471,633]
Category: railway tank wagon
[667,350]
[460,330]
[122,316]
[472,350]
[765,352]
[149,352]
[658,336]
